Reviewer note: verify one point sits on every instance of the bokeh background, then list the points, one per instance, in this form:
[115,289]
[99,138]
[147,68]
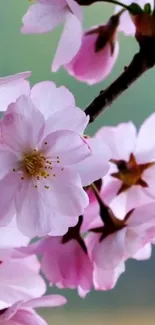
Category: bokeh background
[133,299]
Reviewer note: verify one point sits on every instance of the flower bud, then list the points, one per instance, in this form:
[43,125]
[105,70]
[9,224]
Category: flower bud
[97,54]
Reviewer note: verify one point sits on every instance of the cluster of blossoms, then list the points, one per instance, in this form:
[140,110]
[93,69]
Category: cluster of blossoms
[88,203]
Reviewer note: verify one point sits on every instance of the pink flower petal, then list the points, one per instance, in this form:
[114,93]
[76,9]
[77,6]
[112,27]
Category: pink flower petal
[12,87]
[69,43]
[107,279]
[45,212]
[34,210]
[141,215]
[67,186]
[8,161]
[75,8]
[70,266]
[144,253]
[10,312]
[110,252]
[70,118]
[21,316]
[95,166]
[46,301]
[18,130]
[10,236]
[8,187]
[145,144]
[128,200]
[69,146]
[98,64]
[19,281]
[112,136]
[41,18]
[49,99]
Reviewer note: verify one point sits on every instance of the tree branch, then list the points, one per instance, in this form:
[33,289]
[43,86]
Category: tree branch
[142,61]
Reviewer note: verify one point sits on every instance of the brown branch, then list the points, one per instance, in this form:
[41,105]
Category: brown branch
[142,61]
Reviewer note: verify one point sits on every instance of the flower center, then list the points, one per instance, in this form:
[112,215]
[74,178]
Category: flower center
[34,164]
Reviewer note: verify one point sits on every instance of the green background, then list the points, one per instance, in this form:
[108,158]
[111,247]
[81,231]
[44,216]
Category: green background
[136,288]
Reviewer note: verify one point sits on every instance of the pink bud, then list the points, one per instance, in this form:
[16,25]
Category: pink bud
[97,55]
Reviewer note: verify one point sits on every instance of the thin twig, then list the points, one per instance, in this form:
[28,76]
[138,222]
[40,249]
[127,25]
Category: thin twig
[142,61]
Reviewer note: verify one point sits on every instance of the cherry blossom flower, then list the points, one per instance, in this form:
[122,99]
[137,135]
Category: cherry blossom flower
[57,103]
[19,277]
[45,15]
[22,312]
[58,108]
[101,44]
[64,260]
[130,180]
[112,243]
[41,187]
[126,24]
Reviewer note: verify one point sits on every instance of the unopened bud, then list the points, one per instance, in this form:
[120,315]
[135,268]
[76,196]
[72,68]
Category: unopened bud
[98,53]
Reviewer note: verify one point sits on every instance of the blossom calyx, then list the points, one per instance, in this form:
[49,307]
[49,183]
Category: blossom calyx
[106,33]
[143,19]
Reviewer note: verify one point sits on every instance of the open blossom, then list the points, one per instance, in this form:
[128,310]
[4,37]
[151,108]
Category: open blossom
[41,187]
[101,44]
[31,170]
[19,277]
[44,15]
[130,180]
[126,24]
[111,244]
[22,312]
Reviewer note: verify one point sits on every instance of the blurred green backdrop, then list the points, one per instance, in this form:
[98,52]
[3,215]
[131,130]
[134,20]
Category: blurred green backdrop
[135,289]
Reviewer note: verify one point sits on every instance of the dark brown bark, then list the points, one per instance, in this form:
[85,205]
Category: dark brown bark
[142,61]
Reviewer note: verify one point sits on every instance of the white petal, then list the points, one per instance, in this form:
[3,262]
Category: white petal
[41,18]
[69,43]
[95,166]
[49,99]
[112,136]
